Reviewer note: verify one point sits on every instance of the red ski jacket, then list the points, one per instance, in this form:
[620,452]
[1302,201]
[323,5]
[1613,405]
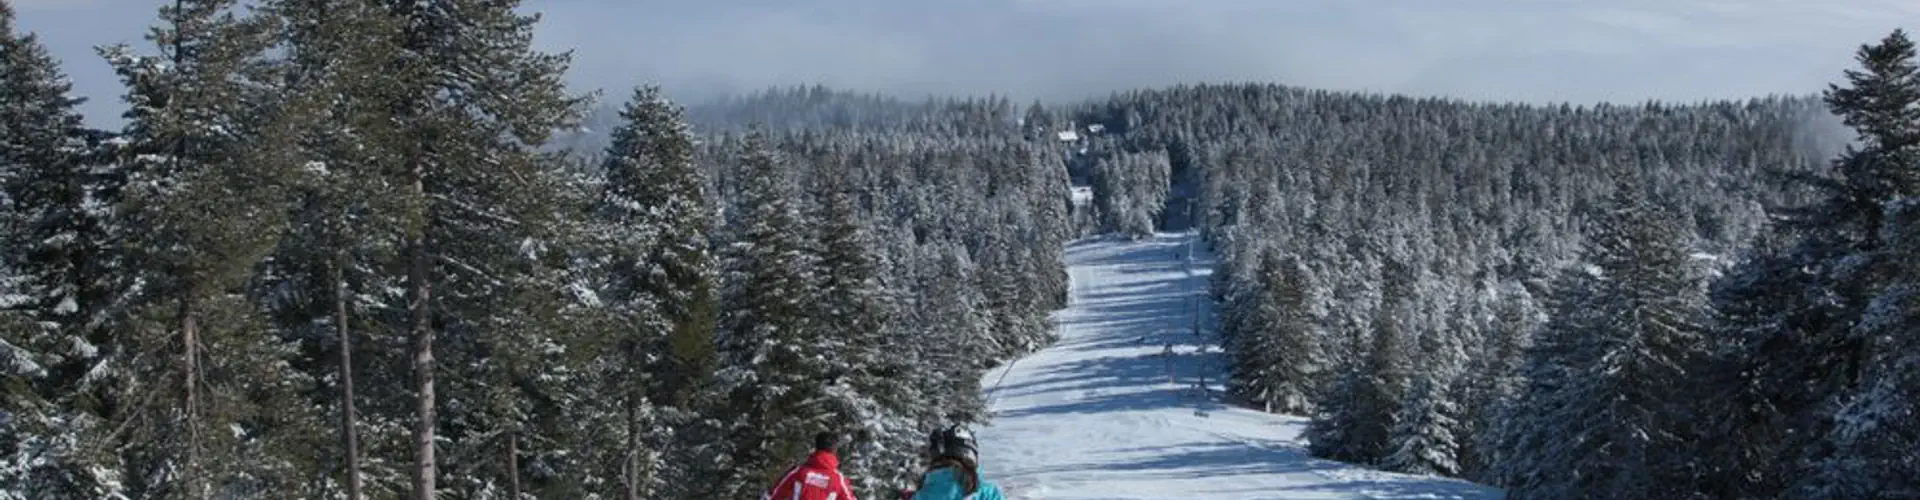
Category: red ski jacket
[817,479]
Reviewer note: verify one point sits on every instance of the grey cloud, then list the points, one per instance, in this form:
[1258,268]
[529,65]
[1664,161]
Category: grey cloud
[1530,50]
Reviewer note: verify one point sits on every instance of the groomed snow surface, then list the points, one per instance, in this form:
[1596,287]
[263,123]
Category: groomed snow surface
[1096,416]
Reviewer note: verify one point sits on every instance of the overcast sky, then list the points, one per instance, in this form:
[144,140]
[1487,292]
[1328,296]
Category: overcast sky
[1530,50]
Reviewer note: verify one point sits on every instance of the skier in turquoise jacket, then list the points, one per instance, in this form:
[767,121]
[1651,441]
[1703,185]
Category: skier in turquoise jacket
[954,470]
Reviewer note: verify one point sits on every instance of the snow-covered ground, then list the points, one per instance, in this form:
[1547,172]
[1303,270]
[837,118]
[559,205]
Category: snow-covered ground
[1096,416]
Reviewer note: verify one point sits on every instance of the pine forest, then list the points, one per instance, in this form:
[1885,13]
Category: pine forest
[379,249]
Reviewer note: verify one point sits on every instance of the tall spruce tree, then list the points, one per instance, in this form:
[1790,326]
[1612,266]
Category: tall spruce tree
[1866,450]
[1426,437]
[1357,414]
[53,276]
[1870,450]
[207,151]
[1611,368]
[1882,104]
[775,360]
[950,336]
[1493,381]
[1794,347]
[476,99]
[658,278]
[1278,358]
[325,281]
[853,302]
[1011,302]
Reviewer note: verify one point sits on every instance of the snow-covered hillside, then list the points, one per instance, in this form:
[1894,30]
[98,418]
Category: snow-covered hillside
[1097,417]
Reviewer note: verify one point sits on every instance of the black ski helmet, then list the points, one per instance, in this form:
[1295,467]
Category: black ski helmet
[953,442]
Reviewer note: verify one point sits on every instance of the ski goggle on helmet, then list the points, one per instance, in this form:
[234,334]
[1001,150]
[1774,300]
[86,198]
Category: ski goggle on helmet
[953,442]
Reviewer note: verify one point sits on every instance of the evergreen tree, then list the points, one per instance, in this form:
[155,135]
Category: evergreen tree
[951,337]
[1130,191]
[1795,351]
[1492,381]
[853,303]
[53,277]
[45,180]
[515,390]
[1868,448]
[1612,367]
[1882,104]
[324,284]
[207,150]
[475,99]
[652,214]
[1277,353]
[1424,437]
[1038,122]
[1429,431]
[774,358]
[1529,449]
[1011,301]
[1358,414]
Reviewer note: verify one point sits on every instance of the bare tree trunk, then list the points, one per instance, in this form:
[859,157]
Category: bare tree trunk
[189,325]
[190,375]
[347,417]
[422,329]
[633,450]
[513,463]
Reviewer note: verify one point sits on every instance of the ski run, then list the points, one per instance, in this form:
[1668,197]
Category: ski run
[1099,416]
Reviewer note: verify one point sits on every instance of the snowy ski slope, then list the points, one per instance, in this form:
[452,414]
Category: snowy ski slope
[1096,417]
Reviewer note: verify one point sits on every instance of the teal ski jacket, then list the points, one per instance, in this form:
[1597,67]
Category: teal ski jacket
[942,484]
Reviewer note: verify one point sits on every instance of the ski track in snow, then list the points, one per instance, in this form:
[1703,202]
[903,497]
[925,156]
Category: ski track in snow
[1095,416]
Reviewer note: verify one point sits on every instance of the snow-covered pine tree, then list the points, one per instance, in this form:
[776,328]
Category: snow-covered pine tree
[1492,379]
[53,278]
[1882,104]
[1130,191]
[207,395]
[43,181]
[1426,437]
[1038,123]
[685,275]
[1611,368]
[324,284]
[775,363]
[515,397]
[1356,415]
[950,336]
[1049,225]
[855,304]
[1868,450]
[475,99]
[1278,357]
[1430,431]
[1793,351]
[652,270]
[1529,450]
[1871,447]
[1005,278]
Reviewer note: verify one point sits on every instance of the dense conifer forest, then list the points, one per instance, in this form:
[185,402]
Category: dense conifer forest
[332,254]
[372,248]
[1615,301]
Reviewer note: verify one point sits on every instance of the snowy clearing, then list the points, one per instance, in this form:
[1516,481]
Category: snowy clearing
[1096,416]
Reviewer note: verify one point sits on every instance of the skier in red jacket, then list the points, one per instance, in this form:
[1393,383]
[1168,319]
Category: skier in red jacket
[818,478]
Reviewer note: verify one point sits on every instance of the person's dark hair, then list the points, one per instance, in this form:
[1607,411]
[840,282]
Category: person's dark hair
[826,441]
